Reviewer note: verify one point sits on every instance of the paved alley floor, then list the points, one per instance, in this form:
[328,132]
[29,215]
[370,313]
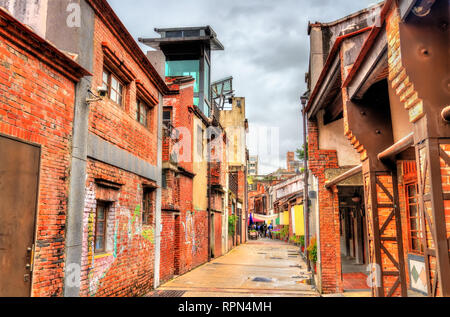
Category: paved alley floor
[262,268]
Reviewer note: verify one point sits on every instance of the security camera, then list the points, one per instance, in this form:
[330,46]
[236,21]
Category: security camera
[102,91]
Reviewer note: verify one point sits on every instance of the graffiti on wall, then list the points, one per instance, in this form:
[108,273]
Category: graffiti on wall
[125,229]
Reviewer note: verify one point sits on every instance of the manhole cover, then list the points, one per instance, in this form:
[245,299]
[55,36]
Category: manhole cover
[262,280]
[167,294]
[276,258]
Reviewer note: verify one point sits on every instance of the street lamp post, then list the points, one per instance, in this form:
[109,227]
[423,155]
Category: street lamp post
[304,100]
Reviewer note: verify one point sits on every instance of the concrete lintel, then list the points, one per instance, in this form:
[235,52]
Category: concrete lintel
[108,153]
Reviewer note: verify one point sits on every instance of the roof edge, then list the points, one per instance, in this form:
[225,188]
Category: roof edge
[52,56]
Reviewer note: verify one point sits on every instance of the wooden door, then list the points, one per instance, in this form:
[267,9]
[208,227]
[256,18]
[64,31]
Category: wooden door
[19,175]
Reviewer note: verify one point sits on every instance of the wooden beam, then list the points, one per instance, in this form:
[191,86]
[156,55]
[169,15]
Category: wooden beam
[354,171]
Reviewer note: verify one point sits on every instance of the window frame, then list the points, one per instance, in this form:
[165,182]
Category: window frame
[165,121]
[140,104]
[106,209]
[110,75]
[417,219]
[148,195]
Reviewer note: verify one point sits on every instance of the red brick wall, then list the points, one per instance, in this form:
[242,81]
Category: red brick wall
[185,254]
[37,105]
[200,238]
[117,124]
[190,228]
[445,173]
[171,193]
[330,254]
[126,268]
[168,247]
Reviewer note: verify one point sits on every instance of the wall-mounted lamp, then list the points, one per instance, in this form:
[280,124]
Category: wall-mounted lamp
[423,8]
[102,93]
[356,198]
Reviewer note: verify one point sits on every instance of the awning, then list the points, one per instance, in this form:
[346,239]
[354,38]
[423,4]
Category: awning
[263,218]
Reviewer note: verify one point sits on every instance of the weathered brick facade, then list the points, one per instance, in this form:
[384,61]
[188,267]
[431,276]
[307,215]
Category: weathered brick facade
[184,240]
[37,85]
[406,200]
[330,254]
[125,268]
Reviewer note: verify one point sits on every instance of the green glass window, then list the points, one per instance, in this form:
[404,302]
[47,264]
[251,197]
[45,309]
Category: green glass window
[206,85]
[184,68]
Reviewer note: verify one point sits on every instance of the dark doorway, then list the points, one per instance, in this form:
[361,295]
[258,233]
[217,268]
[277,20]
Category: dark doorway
[19,175]
[353,241]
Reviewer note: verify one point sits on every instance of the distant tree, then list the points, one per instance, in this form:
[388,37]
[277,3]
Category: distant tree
[302,152]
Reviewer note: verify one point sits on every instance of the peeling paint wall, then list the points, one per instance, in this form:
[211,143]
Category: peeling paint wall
[31,13]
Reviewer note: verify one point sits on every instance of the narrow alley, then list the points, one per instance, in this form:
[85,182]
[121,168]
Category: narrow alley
[173,149]
[263,268]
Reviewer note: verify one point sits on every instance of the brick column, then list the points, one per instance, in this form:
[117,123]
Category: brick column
[330,254]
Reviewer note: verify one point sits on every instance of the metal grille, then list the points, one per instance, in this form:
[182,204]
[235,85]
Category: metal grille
[170,293]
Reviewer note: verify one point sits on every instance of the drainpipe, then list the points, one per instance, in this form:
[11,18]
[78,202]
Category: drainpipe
[158,224]
[306,180]
[78,172]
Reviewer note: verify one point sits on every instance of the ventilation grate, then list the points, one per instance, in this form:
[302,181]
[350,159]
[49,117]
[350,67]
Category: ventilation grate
[168,294]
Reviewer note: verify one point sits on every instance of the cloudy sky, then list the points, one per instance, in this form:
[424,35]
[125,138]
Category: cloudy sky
[266,52]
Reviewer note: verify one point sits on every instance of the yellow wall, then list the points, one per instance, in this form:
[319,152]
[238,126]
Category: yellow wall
[299,221]
[285,218]
[233,123]
[200,192]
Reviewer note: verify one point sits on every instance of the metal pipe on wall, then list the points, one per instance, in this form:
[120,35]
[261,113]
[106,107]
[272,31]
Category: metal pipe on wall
[306,178]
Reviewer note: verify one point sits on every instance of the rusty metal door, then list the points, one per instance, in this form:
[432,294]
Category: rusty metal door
[19,174]
[212,236]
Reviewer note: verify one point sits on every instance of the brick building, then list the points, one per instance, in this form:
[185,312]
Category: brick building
[183,229]
[234,122]
[37,98]
[187,52]
[121,207]
[112,240]
[388,205]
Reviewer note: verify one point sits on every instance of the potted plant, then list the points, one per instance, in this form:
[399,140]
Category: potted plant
[285,233]
[301,241]
[312,252]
